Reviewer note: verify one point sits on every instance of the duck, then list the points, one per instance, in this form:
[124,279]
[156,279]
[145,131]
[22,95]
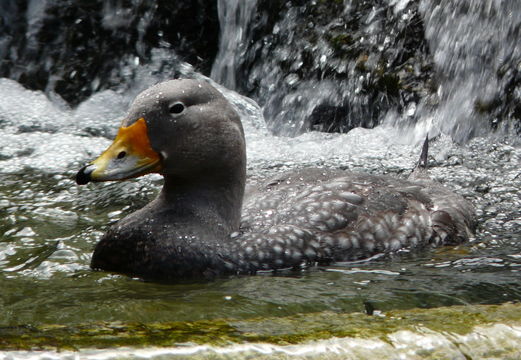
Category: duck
[202,224]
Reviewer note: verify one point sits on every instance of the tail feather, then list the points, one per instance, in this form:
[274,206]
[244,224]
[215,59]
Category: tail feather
[421,167]
[423,162]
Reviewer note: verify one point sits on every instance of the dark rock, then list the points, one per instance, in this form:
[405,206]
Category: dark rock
[74,48]
[336,64]
[508,104]
[327,65]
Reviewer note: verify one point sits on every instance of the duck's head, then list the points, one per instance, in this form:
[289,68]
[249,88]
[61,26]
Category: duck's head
[180,128]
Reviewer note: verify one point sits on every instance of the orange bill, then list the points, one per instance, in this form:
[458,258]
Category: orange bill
[129,156]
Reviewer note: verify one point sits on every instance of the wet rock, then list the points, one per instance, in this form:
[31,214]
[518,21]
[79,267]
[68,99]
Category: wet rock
[75,48]
[507,105]
[372,56]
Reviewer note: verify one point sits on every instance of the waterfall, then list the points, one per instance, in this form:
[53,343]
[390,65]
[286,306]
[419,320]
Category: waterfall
[476,51]
[437,66]
[234,17]
[440,66]
[318,65]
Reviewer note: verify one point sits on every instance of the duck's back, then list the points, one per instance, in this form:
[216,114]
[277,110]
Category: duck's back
[334,215]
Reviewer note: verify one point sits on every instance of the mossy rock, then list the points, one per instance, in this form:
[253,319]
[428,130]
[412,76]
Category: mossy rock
[299,329]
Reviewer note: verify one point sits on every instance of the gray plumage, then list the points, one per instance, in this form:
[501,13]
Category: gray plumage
[195,227]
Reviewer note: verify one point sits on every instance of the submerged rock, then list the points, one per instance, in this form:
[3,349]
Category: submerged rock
[457,332]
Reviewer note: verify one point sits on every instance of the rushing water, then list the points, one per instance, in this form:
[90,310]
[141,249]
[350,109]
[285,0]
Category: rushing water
[472,47]
[475,45]
[234,15]
[49,225]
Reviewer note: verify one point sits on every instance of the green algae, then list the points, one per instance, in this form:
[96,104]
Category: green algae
[298,329]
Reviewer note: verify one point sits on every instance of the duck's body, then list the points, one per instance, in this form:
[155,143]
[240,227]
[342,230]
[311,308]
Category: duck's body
[195,227]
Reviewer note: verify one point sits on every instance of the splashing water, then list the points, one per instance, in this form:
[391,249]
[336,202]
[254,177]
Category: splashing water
[302,83]
[474,45]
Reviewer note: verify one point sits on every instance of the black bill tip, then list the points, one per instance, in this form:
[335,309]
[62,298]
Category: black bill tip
[83,176]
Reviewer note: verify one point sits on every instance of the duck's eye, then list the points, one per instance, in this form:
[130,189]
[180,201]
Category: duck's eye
[177,108]
[122,154]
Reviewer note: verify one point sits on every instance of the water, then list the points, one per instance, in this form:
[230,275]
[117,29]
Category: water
[234,16]
[49,225]
[422,344]
[474,70]
[323,65]
[367,64]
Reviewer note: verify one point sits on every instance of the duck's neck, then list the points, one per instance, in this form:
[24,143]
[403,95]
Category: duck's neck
[216,200]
